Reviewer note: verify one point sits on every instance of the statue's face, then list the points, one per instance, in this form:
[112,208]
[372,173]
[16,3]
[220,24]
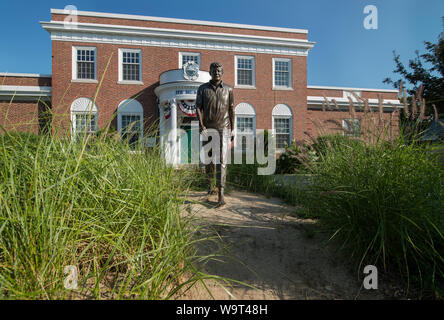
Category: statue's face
[216,73]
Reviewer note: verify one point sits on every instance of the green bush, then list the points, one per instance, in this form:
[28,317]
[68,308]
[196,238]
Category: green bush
[385,203]
[111,212]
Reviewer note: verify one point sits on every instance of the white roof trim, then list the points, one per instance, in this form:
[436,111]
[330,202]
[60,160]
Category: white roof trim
[352,89]
[27,75]
[59,26]
[25,93]
[174,20]
[175,38]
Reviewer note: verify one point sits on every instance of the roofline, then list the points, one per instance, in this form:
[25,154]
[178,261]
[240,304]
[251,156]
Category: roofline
[352,89]
[25,75]
[175,20]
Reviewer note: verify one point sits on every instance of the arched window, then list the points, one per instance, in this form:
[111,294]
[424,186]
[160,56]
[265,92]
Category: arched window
[83,117]
[130,120]
[282,125]
[245,125]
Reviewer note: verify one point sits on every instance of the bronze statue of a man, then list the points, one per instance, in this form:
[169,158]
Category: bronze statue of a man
[215,110]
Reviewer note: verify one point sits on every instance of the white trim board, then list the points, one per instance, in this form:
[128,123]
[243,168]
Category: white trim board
[175,20]
[20,93]
[25,75]
[352,89]
[189,39]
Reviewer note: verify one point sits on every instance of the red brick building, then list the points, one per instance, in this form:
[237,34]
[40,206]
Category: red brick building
[132,67]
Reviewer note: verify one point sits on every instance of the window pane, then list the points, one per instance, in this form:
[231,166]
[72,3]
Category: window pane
[85,123]
[282,132]
[131,127]
[130,66]
[85,64]
[352,127]
[244,128]
[282,73]
[245,71]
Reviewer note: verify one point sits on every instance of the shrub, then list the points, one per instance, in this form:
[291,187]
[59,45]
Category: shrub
[384,202]
[110,212]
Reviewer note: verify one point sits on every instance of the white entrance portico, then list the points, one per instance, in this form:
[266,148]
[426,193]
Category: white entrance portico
[177,110]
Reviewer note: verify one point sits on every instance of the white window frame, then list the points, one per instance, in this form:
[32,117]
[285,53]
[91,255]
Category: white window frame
[253,73]
[74,63]
[129,107]
[290,83]
[236,133]
[194,54]
[121,51]
[290,133]
[351,134]
[282,111]
[90,115]
[83,106]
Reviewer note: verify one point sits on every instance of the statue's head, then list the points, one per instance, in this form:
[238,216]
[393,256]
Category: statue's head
[216,71]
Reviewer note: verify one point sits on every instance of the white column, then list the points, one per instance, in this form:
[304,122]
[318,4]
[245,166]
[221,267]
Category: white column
[172,137]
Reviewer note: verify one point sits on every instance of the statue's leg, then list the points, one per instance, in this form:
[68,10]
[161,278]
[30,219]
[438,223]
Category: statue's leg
[209,171]
[221,167]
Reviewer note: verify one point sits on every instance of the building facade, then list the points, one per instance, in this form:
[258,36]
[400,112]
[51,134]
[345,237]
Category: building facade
[136,72]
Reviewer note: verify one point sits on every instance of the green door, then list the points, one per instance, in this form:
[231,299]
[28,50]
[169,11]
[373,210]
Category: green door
[185,145]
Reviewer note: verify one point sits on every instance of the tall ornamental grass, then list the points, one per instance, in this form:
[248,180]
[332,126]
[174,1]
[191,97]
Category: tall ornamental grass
[107,212]
[382,197]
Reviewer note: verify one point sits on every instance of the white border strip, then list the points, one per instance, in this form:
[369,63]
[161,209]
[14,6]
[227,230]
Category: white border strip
[25,75]
[174,20]
[351,89]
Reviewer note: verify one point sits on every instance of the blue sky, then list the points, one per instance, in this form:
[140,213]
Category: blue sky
[345,53]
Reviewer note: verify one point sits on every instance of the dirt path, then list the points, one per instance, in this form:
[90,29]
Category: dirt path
[264,245]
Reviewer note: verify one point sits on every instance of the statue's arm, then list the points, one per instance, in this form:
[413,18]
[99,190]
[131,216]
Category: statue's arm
[199,108]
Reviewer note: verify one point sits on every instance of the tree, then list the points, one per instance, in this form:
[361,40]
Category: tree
[427,70]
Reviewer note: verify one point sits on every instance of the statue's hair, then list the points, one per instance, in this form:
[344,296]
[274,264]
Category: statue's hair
[215,65]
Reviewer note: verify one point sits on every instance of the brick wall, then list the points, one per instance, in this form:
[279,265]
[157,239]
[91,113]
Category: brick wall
[156,60]
[182,26]
[24,116]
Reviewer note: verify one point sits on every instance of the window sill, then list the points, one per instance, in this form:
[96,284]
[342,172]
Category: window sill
[84,81]
[130,82]
[245,87]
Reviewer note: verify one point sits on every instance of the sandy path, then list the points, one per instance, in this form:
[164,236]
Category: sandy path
[263,244]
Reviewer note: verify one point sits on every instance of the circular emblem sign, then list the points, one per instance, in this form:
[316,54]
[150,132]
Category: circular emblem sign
[191,70]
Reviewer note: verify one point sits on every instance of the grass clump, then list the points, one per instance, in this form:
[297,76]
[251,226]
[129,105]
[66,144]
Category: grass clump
[109,211]
[384,203]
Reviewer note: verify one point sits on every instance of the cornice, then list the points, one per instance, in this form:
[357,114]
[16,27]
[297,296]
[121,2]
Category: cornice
[160,37]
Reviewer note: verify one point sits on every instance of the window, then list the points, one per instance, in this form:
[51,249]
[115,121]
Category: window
[185,57]
[245,126]
[84,63]
[131,127]
[282,125]
[130,65]
[351,127]
[84,123]
[130,121]
[244,71]
[282,132]
[281,73]
[83,117]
